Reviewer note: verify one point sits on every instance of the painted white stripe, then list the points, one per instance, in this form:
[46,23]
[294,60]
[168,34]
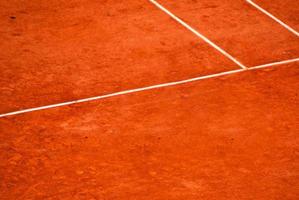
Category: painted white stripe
[147,88]
[198,34]
[273,17]
[276,63]
[122,93]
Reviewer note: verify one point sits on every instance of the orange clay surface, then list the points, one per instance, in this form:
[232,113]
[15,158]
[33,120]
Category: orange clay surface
[285,10]
[65,50]
[233,137]
[228,138]
[245,32]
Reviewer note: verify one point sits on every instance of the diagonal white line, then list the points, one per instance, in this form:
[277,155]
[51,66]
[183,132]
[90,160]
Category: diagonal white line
[122,93]
[273,17]
[276,63]
[147,88]
[198,34]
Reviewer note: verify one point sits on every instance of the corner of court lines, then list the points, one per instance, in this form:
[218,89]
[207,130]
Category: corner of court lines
[219,49]
[198,34]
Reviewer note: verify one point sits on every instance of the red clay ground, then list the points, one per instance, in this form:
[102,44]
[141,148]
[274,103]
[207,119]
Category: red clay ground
[234,137]
[236,26]
[65,50]
[285,10]
[228,138]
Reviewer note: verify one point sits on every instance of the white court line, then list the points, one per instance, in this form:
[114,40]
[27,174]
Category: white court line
[198,34]
[273,17]
[122,93]
[147,88]
[276,63]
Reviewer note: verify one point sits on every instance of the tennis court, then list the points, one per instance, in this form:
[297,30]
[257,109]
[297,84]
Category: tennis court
[149,99]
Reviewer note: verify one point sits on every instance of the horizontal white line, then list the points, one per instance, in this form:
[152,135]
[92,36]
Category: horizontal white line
[198,34]
[273,17]
[146,88]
